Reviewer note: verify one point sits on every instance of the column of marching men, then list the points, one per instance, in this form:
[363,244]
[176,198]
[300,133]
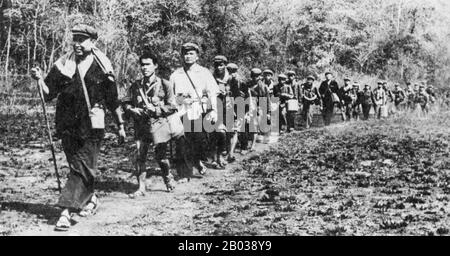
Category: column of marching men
[208,115]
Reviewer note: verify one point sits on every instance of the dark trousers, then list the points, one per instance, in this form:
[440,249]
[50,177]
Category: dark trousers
[307,115]
[195,147]
[356,112]
[366,110]
[183,160]
[246,136]
[283,116]
[327,113]
[218,142]
[291,119]
[82,156]
[161,157]
[348,108]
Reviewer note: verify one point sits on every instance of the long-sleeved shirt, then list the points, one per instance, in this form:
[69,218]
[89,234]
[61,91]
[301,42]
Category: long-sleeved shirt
[326,89]
[72,114]
[310,94]
[286,93]
[158,93]
[399,95]
[205,85]
[380,96]
[346,94]
[297,89]
[367,97]
[422,99]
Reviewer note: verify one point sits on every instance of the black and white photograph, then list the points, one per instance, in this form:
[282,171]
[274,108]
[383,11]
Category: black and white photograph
[219,118]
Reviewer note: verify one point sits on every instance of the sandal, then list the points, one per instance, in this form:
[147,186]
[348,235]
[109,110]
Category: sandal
[202,169]
[223,163]
[216,166]
[90,209]
[231,159]
[63,223]
[169,185]
[136,194]
[183,180]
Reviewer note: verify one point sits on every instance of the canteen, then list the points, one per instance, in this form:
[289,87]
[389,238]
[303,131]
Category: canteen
[292,105]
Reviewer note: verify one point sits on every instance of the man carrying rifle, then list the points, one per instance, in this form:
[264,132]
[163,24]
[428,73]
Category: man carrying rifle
[84,83]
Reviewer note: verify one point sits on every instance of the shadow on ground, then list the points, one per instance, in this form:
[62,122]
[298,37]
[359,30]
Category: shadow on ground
[45,211]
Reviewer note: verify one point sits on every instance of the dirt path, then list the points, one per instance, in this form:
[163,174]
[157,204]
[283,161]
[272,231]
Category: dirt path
[220,203]
[163,213]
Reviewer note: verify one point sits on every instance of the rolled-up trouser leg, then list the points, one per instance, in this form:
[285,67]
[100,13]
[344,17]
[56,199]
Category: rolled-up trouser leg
[142,150]
[82,156]
[163,161]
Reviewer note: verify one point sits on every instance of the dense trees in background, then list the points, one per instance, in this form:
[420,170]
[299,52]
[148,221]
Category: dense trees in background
[403,40]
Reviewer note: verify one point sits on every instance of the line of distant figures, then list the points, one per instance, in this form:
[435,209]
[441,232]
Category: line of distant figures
[350,100]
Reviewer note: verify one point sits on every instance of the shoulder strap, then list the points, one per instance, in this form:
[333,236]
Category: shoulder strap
[143,95]
[195,89]
[86,95]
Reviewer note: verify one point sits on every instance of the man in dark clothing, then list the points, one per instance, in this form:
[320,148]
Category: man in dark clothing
[430,91]
[329,95]
[399,97]
[296,87]
[367,101]
[159,102]
[84,83]
[346,99]
[422,100]
[310,97]
[237,95]
[257,90]
[410,95]
[356,94]
[219,138]
[380,100]
[285,94]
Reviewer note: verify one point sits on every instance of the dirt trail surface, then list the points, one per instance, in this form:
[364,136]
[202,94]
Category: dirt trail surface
[388,177]
[159,212]
[28,190]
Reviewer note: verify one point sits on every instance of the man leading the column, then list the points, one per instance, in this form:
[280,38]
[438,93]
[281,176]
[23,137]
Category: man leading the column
[84,83]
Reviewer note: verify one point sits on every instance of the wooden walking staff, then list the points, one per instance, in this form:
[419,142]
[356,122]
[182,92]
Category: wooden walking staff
[52,146]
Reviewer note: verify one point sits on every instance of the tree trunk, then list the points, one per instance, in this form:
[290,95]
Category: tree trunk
[399,15]
[35,37]
[8,48]
[2,25]
[52,53]
[28,56]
